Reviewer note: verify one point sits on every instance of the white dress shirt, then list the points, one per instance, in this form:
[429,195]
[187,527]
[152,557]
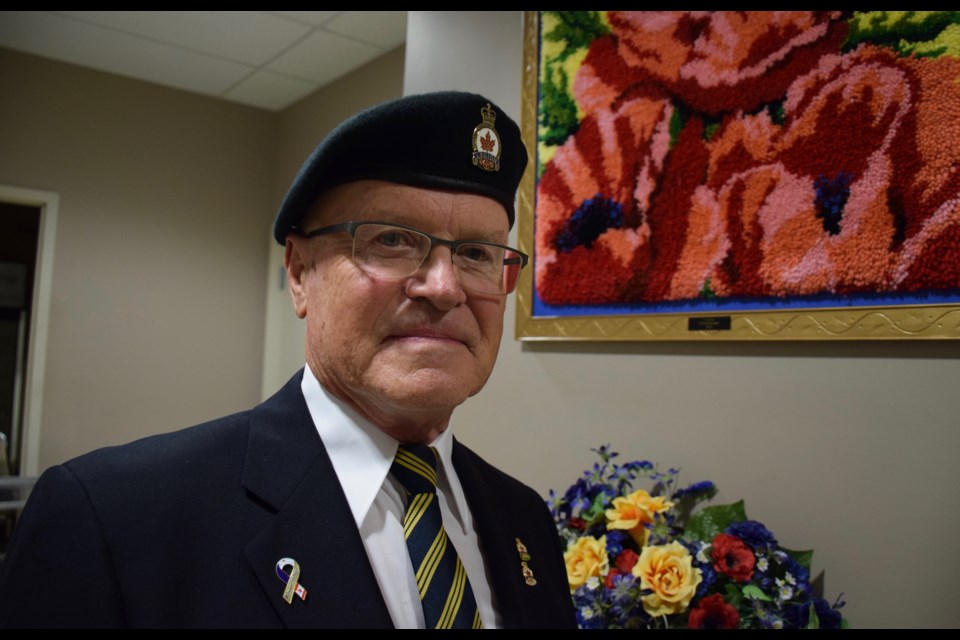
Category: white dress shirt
[362,455]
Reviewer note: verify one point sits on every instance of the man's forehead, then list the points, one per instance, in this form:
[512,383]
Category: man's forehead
[447,140]
[464,214]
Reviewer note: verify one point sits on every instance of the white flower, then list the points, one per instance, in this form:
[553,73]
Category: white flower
[762,564]
[703,555]
[785,590]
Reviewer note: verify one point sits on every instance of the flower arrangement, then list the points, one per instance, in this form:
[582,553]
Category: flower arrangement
[651,558]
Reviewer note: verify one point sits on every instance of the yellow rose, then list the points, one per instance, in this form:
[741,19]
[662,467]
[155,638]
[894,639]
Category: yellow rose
[632,512]
[586,558]
[667,570]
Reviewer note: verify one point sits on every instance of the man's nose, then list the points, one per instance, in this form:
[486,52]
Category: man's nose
[438,280]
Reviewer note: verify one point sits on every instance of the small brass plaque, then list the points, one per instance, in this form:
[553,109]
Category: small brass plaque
[709,323]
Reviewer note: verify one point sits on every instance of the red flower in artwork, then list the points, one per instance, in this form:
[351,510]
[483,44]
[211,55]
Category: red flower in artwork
[732,557]
[724,61]
[713,612]
[591,233]
[775,217]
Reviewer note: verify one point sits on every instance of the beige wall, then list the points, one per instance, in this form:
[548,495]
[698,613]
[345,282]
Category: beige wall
[157,290]
[846,448]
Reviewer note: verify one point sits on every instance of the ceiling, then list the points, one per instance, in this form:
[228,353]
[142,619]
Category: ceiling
[266,59]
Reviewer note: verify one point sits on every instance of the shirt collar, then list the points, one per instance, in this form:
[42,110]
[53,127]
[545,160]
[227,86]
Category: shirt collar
[362,454]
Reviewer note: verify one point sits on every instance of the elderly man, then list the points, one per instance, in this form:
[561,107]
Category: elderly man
[343,500]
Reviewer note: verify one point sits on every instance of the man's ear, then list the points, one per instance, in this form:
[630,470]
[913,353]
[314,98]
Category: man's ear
[295,261]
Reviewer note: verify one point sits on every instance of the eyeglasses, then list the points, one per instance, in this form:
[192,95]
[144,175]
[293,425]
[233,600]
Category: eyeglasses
[395,251]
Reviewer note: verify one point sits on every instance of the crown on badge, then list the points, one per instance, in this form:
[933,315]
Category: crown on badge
[488,114]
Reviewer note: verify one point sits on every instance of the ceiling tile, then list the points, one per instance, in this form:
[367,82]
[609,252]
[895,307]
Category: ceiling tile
[316,18]
[387,29]
[270,90]
[105,49]
[238,55]
[323,57]
[252,37]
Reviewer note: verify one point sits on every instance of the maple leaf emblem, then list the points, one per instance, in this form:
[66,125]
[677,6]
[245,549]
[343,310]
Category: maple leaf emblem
[487,142]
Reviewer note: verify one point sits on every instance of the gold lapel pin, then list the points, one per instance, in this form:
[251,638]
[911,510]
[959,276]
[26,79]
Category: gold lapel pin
[524,559]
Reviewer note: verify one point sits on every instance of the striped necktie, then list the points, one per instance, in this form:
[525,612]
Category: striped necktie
[445,592]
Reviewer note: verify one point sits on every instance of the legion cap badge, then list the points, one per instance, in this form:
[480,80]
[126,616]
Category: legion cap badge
[486,141]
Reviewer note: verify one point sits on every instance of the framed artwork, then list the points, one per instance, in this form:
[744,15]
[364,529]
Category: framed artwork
[749,175]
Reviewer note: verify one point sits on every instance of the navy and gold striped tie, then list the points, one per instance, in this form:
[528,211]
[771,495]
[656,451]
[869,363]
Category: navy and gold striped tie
[445,592]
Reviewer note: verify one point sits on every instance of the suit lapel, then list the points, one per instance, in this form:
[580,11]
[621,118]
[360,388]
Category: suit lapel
[529,583]
[288,470]
[497,539]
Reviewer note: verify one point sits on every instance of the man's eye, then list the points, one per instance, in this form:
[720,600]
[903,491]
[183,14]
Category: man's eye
[477,253]
[395,239]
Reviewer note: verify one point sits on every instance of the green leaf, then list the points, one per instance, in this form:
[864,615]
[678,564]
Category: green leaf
[708,523]
[814,621]
[706,291]
[916,33]
[677,121]
[558,112]
[733,594]
[577,28]
[803,558]
[754,592]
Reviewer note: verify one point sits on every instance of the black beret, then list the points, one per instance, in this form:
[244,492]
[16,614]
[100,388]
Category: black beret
[445,140]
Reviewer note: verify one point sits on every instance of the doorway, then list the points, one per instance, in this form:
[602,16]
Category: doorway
[19,237]
[27,231]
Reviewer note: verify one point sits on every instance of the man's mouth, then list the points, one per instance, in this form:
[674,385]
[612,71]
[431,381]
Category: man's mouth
[428,335]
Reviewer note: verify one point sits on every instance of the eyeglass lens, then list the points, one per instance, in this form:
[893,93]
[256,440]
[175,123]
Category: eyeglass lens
[396,252]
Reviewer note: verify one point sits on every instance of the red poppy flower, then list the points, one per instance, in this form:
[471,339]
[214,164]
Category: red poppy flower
[834,198]
[590,202]
[713,612]
[732,557]
[722,61]
[626,560]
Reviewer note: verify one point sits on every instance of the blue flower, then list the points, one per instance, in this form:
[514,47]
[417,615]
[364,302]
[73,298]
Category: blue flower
[753,533]
[800,574]
[588,618]
[709,578]
[831,198]
[639,465]
[767,619]
[798,616]
[704,489]
[623,605]
[616,539]
[591,220]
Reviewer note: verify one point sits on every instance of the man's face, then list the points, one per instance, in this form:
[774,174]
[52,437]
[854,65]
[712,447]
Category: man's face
[402,352]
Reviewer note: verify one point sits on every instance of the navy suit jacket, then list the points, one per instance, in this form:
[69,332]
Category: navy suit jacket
[185,530]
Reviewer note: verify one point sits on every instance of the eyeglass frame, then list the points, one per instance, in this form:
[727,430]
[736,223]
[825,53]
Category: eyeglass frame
[351,228]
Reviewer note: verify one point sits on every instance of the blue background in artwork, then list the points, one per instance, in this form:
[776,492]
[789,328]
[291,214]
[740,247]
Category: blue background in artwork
[744,304]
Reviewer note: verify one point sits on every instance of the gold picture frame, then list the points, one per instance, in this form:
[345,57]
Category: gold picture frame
[908,321]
